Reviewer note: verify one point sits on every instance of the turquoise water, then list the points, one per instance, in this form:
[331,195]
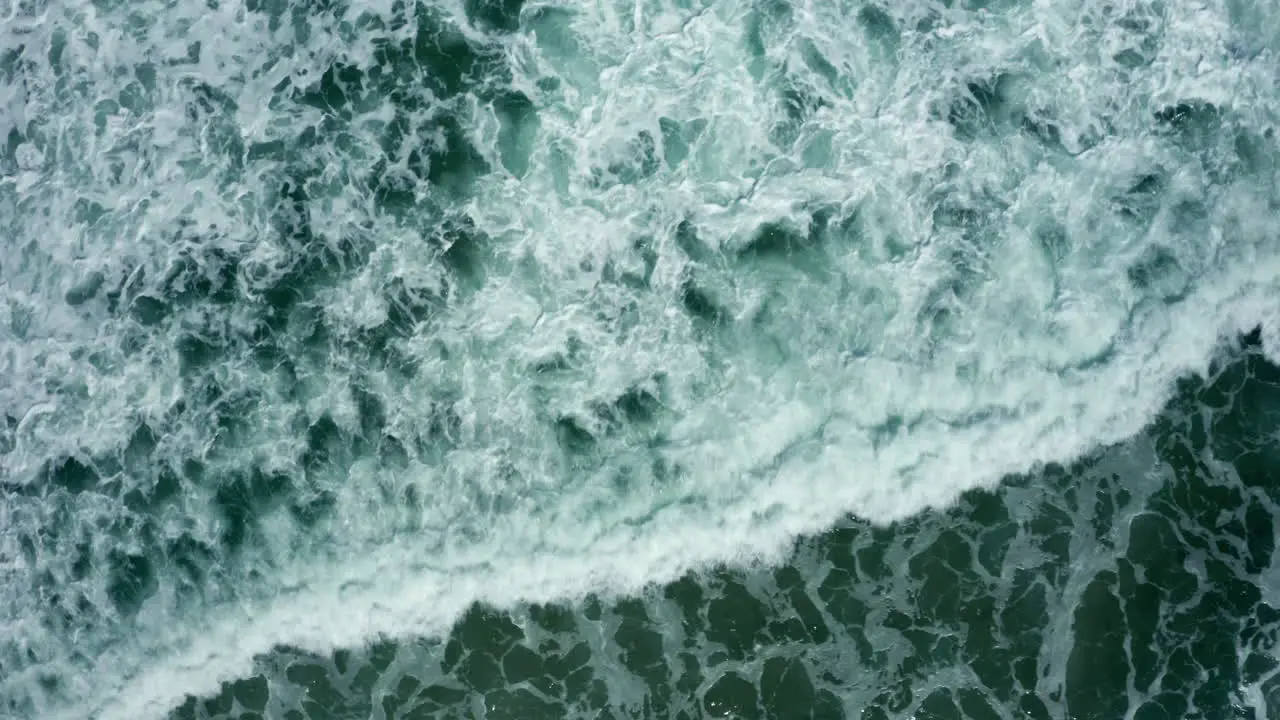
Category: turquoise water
[647,359]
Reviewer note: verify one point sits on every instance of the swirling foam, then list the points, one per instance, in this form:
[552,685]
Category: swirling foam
[732,272]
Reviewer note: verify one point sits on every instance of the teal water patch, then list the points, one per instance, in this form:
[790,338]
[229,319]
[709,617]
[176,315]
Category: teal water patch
[327,325]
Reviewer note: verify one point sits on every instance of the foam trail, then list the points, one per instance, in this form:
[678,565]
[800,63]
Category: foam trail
[319,332]
[757,529]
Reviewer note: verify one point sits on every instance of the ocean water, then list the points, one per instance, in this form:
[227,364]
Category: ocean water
[645,359]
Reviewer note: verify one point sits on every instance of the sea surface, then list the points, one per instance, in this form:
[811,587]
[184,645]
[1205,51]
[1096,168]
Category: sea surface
[647,359]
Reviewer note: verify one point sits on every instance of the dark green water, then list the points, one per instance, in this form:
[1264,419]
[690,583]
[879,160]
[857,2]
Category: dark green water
[1139,582]
[639,359]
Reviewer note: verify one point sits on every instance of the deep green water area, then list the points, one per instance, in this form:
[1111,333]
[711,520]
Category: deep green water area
[1138,582]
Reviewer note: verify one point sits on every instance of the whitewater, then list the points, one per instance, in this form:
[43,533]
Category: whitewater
[322,322]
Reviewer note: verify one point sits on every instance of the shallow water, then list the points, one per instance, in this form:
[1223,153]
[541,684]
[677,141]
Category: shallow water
[647,359]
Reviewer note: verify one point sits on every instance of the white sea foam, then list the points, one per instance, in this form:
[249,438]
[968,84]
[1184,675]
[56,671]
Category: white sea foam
[971,312]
